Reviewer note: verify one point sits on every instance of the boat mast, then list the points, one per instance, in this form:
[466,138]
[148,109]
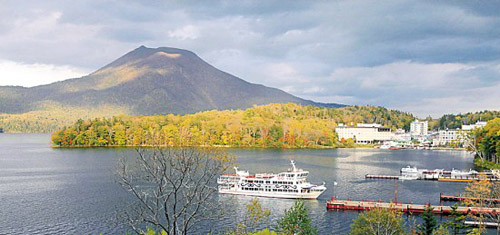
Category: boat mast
[293,165]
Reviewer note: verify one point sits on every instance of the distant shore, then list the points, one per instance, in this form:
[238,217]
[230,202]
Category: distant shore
[253,147]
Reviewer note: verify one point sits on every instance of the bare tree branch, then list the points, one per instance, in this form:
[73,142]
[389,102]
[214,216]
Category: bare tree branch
[174,189]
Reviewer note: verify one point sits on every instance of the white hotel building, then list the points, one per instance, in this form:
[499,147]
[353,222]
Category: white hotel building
[419,128]
[449,136]
[364,133]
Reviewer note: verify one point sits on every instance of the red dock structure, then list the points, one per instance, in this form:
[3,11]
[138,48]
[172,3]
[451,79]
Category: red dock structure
[462,198]
[335,204]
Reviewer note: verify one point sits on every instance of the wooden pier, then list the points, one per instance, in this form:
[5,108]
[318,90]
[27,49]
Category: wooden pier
[460,198]
[385,177]
[441,179]
[335,204]
[465,179]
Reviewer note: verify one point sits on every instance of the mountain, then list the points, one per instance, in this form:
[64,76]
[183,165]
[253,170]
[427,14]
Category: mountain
[148,81]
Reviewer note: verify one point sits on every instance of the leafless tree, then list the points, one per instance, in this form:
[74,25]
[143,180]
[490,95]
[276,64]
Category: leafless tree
[174,189]
[471,143]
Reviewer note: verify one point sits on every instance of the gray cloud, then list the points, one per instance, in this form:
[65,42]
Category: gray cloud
[421,56]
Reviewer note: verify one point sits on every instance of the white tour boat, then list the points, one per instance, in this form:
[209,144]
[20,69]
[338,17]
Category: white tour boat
[410,173]
[290,184]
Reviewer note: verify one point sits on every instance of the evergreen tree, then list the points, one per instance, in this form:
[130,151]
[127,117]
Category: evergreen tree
[296,221]
[429,224]
[456,224]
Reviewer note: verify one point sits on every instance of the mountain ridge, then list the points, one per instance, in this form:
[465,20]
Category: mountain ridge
[150,81]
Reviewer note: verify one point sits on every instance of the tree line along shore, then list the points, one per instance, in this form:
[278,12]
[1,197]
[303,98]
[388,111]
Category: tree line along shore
[275,125]
[267,126]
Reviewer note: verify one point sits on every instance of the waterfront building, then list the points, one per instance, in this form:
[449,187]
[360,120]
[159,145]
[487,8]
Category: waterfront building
[364,133]
[401,136]
[450,136]
[473,126]
[419,128]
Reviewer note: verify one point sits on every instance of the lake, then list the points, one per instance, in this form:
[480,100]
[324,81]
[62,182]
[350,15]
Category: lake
[74,191]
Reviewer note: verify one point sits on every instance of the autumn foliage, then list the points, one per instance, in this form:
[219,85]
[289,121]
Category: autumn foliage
[274,125]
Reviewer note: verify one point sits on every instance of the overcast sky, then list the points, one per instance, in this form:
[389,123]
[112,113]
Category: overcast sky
[425,57]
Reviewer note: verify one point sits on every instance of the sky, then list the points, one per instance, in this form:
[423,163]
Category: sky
[425,57]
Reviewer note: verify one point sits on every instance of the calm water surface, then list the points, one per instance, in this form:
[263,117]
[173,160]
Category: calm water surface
[73,191]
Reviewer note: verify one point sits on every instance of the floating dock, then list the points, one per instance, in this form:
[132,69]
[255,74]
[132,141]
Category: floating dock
[413,173]
[465,179]
[385,177]
[441,179]
[486,224]
[462,198]
[336,204]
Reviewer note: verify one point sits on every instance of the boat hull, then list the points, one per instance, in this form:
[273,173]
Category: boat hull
[305,196]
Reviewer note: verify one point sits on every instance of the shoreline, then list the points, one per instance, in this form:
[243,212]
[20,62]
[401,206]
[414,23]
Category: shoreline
[240,147]
[250,147]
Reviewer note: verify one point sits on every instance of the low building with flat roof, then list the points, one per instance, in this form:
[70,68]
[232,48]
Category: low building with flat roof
[473,126]
[365,133]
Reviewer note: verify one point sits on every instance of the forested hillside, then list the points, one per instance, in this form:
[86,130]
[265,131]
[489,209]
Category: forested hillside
[53,117]
[453,121]
[275,125]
